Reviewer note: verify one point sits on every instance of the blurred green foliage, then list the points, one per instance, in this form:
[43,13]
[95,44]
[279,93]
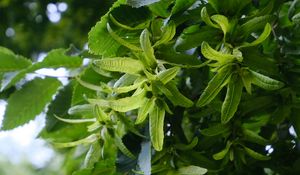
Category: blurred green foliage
[30,31]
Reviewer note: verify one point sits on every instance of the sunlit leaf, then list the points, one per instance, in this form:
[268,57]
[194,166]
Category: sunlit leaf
[123,104]
[265,82]
[25,104]
[156,122]
[147,48]
[167,75]
[120,64]
[145,110]
[192,170]
[11,62]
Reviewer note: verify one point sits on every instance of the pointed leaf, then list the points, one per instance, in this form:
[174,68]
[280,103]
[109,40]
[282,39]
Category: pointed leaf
[265,82]
[147,48]
[81,109]
[254,137]
[11,62]
[263,36]
[124,89]
[220,155]
[212,54]
[192,170]
[255,154]
[176,97]
[84,120]
[168,33]
[90,139]
[205,17]
[222,21]
[120,64]
[55,59]
[29,101]
[232,99]
[247,80]
[167,75]
[93,155]
[214,86]
[100,114]
[123,104]
[119,143]
[157,116]
[121,40]
[215,130]
[255,23]
[190,146]
[145,110]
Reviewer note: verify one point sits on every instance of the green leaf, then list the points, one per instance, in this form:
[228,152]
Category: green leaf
[124,89]
[168,55]
[119,143]
[263,36]
[161,8]
[192,170]
[123,104]
[212,54]
[247,80]
[11,62]
[157,116]
[214,86]
[100,114]
[29,101]
[147,48]
[296,18]
[168,33]
[232,99]
[255,23]
[81,109]
[120,64]
[59,106]
[99,40]
[58,58]
[194,36]
[126,17]
[90,139]
[84,120]
[184,147]
[215,130]
[181,5]
[55,59]
[80,93]
[254,137]
[121,40]
[167,75]
[140,3]
[93,155]
[205,17]
[265,82]
[222,21]
[176,97]
[220,155]
[145,110]
[255,154]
